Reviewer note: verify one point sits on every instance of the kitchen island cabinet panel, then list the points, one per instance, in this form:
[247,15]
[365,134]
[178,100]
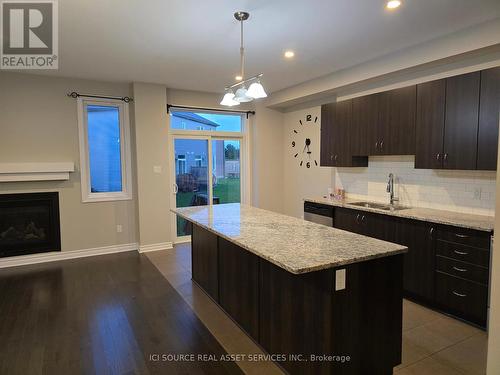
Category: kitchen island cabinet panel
[239,285]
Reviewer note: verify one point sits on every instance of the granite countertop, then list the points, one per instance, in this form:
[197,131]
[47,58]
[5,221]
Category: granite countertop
[470,221]
[295,245]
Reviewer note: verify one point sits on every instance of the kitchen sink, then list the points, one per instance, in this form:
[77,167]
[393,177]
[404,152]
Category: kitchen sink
[379,206]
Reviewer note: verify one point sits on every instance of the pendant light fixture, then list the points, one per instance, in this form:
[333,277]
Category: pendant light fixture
[242,94]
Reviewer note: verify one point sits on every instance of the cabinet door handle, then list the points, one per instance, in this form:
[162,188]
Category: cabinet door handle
[460,252]
[363,219]
[376,145]
[331,157]
[445,157]
[459,269]
[336,157]
[381,144]
[461,235]
[459,294]
[438,156]
[431,232]
[357,219]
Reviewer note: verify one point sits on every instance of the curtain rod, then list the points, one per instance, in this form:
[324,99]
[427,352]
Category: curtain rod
[247,113]
[75,95]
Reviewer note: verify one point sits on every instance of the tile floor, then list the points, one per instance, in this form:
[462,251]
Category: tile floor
[433,343]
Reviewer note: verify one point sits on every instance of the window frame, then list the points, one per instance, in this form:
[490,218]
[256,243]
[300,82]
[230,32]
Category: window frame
[125,151]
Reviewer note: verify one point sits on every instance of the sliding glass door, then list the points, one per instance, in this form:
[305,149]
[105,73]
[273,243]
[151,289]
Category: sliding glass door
[207,161]
[191,176]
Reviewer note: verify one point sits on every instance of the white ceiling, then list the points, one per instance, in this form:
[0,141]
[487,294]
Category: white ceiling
[194,45]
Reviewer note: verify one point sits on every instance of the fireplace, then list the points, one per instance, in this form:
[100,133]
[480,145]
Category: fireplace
[29,223]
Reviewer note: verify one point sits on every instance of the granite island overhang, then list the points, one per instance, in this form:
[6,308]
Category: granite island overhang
[300,289]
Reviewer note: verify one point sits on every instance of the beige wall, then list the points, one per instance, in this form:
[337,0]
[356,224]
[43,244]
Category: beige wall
[300,181]
[151,147]
[38,122]
[267,158]
[494,322]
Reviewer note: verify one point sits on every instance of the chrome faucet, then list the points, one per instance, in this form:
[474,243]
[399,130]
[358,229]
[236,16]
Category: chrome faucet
[390,189]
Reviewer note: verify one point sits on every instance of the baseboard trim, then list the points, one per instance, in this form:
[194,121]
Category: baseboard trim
[155,247]
[23,260]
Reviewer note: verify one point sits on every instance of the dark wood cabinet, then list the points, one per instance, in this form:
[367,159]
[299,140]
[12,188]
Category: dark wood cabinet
[365,111]
[488,120]
[446,267]
[396,123]
[429,140]
[461,121]
[450,123]
[336,119]
[347,219]
[239,285]
[204,261]
[419,260]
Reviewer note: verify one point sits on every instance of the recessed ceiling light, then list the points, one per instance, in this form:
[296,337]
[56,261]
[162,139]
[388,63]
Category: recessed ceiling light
[238,78]
[393,4]
[289,54]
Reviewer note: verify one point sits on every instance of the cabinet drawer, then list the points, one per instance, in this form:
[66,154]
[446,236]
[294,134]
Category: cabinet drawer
[464,237]
[463,253]
[463,270]
[463,298]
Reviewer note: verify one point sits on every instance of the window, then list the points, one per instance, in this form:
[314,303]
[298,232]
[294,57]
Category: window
[181,164]
[203,121]
[104,150]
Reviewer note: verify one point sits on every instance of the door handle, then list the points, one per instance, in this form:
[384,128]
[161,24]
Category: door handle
[176,188]
[459,294]
[461,235]
[459,269]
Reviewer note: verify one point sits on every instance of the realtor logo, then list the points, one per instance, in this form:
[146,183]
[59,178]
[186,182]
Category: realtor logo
[29,34]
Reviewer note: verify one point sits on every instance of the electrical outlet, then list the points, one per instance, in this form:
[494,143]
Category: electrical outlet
[340,279]
[477,193]
[119,228]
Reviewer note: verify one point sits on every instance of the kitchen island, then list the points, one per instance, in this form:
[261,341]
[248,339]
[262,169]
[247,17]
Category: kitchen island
[321,300]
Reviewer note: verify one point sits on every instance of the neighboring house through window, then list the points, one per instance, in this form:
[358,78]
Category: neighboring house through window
[104,150]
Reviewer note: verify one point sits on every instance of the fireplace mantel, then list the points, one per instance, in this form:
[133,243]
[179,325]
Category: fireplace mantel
[18,172]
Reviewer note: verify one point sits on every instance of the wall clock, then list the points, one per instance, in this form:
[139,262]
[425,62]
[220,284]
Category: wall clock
[302,145]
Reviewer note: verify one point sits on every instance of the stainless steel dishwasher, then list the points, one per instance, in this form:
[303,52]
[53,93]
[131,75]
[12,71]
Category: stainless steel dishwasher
[318,213]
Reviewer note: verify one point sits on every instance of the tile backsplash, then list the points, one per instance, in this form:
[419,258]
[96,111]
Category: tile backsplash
[461,191]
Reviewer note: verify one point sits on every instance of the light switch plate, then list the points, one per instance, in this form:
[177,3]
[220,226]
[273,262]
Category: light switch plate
[157,169]
[340,279]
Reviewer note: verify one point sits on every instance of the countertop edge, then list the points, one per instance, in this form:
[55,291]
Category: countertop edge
[399,213]
[400,250]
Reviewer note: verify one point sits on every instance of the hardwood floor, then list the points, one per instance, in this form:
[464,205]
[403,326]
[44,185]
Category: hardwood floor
[99,315]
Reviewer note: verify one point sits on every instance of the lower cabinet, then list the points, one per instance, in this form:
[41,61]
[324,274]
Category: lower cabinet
[445,267]
[205,268]
[419,260]
[239,285]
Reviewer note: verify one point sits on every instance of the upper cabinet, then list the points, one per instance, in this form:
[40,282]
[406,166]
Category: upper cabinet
[365,112]
[461,121]
[336,119]
[457,122]
[450,123]
[488,119]
[384,123]
[396,125]
[430,125]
